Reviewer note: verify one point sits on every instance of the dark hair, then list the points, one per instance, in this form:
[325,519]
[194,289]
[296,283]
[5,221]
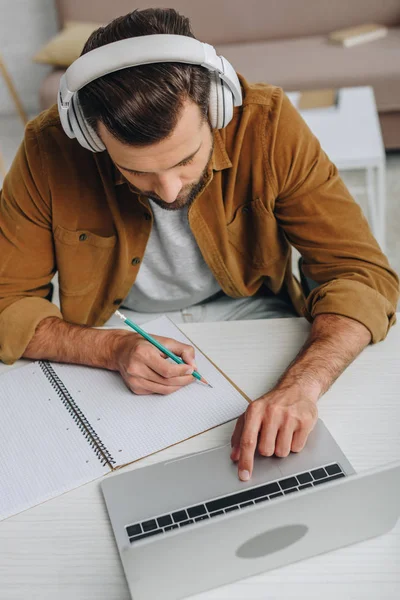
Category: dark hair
[141,105]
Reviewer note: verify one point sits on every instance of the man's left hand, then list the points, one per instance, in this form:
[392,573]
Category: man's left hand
[277,423]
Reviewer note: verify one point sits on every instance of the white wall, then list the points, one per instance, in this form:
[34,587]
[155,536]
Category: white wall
[25,25]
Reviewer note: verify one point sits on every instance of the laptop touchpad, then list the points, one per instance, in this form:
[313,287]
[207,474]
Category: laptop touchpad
[271,541]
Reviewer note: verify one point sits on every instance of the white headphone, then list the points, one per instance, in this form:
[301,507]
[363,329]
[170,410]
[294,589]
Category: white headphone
[225,92]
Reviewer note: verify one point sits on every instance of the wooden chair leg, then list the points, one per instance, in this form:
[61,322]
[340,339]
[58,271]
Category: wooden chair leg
[13,92]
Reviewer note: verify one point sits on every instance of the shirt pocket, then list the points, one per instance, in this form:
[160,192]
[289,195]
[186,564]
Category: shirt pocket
[255,234]
[82,258]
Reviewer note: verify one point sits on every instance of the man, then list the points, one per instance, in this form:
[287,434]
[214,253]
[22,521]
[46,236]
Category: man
[175,214]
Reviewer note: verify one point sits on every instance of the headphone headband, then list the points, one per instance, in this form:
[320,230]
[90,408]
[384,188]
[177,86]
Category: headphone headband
[148,49]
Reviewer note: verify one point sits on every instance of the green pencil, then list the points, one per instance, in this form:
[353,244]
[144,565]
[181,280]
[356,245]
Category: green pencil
[157,344]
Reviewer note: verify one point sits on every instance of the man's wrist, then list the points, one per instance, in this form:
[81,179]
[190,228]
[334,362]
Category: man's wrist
[60,341]
[302,387]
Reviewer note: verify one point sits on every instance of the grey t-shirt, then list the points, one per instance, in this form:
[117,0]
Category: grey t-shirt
[173,274]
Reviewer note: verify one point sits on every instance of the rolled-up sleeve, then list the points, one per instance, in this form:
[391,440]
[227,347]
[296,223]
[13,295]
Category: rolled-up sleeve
[321,219]
[27,260]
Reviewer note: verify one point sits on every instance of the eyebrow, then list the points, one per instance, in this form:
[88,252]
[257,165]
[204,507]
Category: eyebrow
[177,164]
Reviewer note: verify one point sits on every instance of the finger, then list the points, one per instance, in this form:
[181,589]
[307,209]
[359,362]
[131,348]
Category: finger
[299,439]
[284,439]
[235,439]
[146,372]
[148,355]
[248,441]
[267,438]
[150,387]
[185,351]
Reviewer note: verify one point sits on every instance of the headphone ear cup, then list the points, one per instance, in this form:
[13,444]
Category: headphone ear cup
[220,103]
[227,101]
[213,105]
[85,134]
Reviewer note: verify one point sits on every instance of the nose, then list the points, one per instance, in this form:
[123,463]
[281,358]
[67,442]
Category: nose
[168,187]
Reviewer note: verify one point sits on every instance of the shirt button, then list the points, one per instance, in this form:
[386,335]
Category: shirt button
[117,301]
[82,237]
[136,260]
[147,216]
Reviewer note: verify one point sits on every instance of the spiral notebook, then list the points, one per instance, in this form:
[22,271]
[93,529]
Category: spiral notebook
[64,425]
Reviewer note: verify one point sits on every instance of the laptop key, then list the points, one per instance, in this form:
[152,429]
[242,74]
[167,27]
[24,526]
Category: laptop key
[169,527]
[231,508]
[318,473]
[164,520]
[217,512]
[290,491]
[263,499]
[288,483]
[183,523]
[149,525]
[249,503]
[179,515]
[333,469]
[145,535]
[196,511]
[133,530]
[240,497]
[306,485]
[276,495]
[304,478]
[338,476]
[202,518]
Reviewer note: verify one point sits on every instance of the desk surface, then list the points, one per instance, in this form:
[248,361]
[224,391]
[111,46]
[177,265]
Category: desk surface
[64,548]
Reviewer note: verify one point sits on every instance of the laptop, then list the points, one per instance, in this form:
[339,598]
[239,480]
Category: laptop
[189,524]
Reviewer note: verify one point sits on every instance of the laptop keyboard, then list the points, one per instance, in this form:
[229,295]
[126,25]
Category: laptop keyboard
[227,504]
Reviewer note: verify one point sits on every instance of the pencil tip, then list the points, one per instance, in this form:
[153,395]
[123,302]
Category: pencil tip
[209,385]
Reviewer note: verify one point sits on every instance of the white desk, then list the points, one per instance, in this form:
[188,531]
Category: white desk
[64,548]
[351,136]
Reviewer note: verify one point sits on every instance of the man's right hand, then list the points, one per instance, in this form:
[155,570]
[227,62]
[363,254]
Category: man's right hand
[146,370]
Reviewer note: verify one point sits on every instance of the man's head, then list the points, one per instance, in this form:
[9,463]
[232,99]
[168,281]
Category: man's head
[152,118]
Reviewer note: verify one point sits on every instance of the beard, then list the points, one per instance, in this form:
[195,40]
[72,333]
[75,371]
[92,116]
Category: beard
[186,195]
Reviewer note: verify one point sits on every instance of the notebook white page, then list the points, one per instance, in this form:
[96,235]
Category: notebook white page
[132,426]
[43,451]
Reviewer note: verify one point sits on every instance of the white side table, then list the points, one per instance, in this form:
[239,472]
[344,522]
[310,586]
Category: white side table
[350,135]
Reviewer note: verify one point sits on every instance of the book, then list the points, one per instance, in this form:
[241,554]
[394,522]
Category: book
[360,34]
[317,99]
[64,425]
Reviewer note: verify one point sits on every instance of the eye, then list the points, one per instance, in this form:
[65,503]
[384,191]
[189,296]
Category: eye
[137,174]
[186,162]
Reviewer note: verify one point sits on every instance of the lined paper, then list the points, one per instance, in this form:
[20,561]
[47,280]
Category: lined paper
[133,426]
[43,453]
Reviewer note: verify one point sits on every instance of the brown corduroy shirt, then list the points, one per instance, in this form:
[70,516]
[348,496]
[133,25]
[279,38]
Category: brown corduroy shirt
[270,186]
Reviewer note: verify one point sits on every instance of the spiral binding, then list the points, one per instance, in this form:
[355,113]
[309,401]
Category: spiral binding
[78,416]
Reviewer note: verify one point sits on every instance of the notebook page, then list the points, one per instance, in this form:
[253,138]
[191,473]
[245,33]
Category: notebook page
[42,450]
[133,426]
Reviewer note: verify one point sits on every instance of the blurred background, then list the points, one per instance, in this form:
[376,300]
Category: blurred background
[354,77]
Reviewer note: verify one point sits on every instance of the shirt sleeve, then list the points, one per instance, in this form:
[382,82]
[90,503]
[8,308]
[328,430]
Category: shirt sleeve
[27,262]
[321,219]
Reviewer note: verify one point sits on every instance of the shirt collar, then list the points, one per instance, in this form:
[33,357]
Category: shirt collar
[220,158]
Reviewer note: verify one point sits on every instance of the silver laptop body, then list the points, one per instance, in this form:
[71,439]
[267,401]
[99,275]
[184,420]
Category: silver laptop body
[188,524]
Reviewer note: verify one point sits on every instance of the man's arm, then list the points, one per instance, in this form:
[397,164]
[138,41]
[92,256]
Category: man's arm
[282,419]
[142,367]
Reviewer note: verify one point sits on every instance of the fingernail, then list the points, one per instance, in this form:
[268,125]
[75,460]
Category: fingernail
[189,371]
[244,475]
